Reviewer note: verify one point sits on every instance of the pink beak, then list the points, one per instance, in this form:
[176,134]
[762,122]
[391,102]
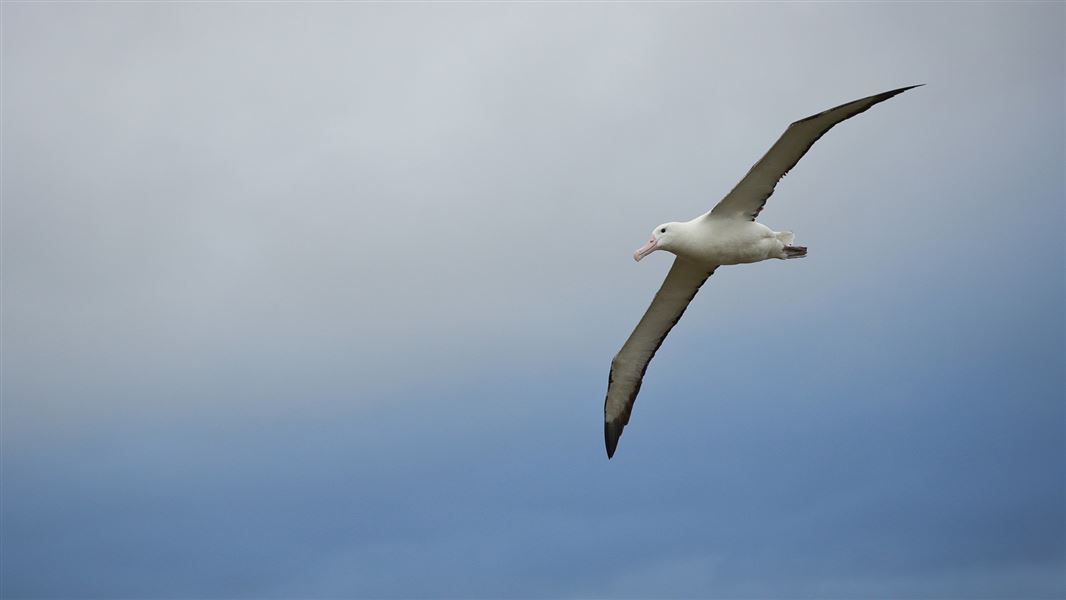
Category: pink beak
[646,249]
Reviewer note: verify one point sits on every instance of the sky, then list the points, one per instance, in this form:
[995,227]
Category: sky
[319,300]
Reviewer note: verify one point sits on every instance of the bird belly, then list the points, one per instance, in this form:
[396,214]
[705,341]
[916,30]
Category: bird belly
[752,242]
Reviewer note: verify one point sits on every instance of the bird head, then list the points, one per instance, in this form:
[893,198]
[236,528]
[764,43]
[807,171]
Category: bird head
[661,239]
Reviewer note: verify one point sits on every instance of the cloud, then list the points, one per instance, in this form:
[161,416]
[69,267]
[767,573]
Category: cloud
[318,300]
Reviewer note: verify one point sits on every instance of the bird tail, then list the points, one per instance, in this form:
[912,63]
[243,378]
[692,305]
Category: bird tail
[785,237]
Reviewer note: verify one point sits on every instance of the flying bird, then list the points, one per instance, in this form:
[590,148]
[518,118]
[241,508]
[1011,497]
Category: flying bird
[727,235]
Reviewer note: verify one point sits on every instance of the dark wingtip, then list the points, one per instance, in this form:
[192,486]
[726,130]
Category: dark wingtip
[865,104]
[886,95]
[904,89]
[612,430]
[892,93]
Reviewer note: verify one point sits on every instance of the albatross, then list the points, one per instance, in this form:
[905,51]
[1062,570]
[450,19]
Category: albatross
[726,235]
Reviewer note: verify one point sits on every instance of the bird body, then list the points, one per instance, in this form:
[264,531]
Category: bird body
[726,235]
[711,240]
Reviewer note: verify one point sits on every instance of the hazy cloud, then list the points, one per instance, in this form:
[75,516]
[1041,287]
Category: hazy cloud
[318,300]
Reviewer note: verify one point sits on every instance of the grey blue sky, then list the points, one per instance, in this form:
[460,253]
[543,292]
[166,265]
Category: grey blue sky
[318,300]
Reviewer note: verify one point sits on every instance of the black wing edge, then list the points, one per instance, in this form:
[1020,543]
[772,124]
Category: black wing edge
[612,430]
[877,98]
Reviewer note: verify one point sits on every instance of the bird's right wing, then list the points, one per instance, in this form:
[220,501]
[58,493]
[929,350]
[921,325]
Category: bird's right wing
[628,367]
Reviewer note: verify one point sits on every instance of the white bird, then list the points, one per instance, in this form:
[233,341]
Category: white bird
[727,235]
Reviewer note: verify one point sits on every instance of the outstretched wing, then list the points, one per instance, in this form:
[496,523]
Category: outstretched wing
[629,365]
[746,200]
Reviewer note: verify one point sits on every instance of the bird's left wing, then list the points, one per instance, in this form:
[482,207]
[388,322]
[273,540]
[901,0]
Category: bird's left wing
[628,367]
[746,200]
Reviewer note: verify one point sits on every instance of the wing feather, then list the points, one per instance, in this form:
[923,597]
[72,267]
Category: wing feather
[629,365]
[749,196]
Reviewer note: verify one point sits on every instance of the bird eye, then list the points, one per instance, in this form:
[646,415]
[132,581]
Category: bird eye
[663,230]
